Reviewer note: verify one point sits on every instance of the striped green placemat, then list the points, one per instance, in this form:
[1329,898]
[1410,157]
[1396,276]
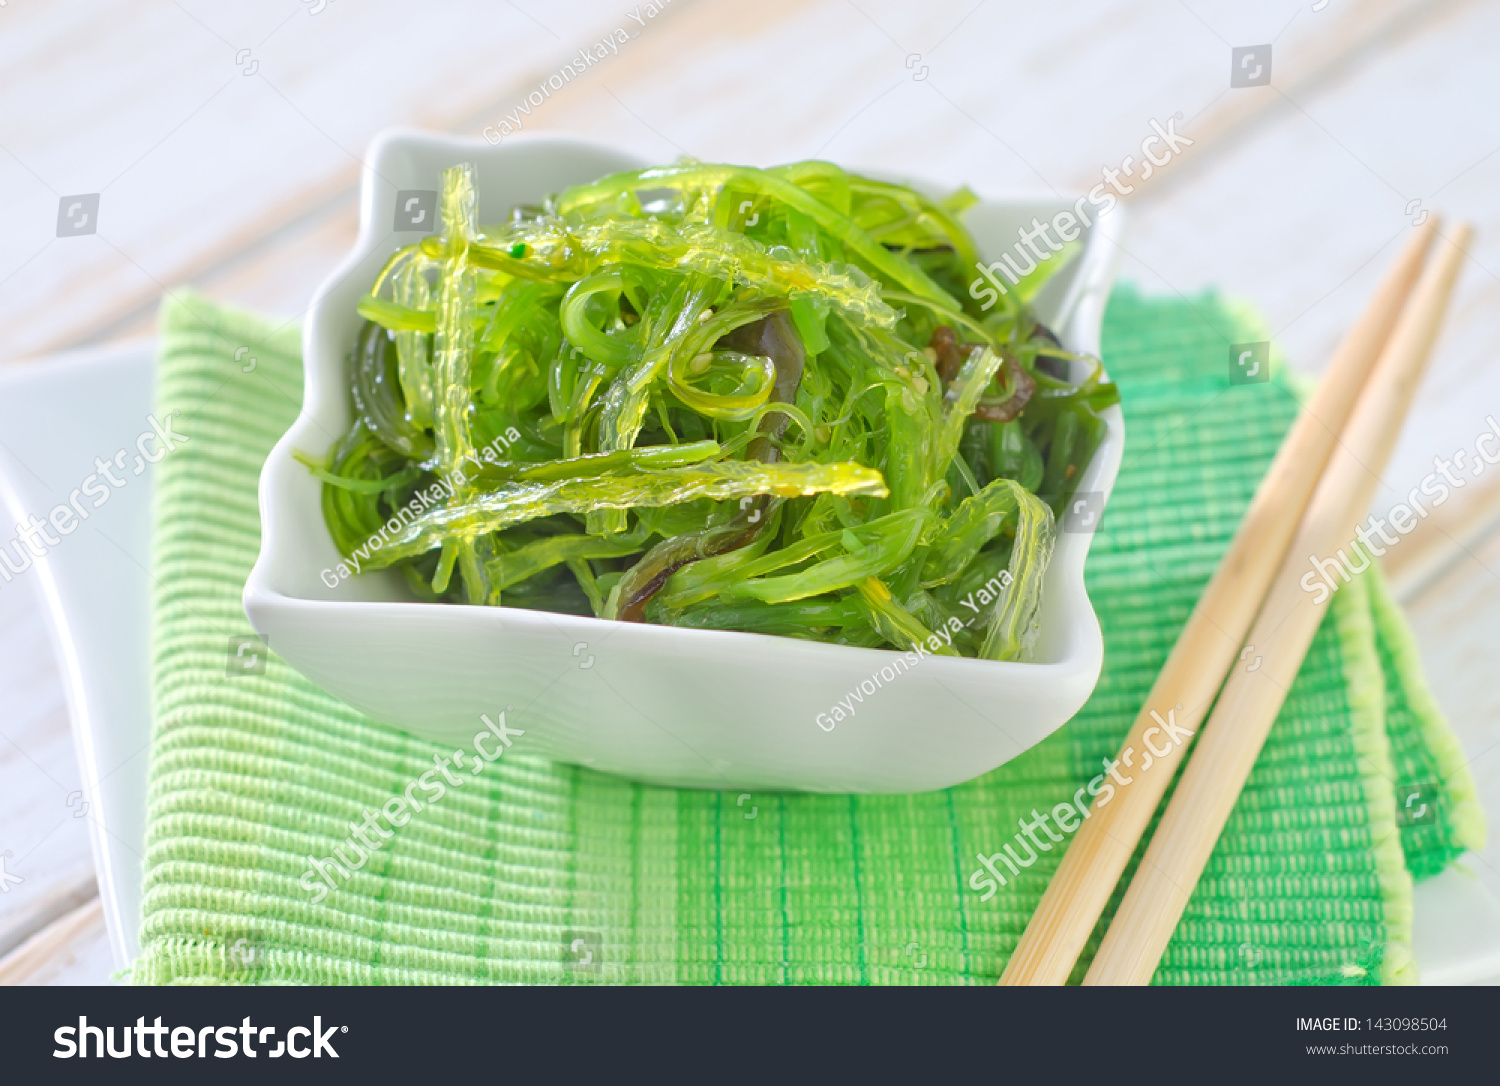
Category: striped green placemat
[541,872]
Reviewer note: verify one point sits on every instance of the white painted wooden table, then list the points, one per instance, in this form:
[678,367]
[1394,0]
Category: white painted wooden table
[224,142]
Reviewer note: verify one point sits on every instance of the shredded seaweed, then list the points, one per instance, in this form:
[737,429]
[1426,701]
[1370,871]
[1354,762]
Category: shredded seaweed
[716,397]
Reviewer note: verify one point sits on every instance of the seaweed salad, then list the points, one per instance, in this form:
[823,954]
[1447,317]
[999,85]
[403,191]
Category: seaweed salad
[718,397]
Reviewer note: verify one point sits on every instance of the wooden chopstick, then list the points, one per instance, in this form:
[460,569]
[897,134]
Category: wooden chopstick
[1232,739]
[1208,645]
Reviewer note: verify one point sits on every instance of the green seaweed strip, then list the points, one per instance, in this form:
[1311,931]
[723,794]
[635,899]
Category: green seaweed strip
[414,292]
[453,345]
[516,504]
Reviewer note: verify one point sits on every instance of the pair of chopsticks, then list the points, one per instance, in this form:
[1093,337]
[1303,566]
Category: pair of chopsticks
[1317,491]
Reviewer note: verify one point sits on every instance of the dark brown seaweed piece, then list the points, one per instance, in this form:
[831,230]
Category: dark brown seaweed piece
[951,355]
[1024,385]
[775,337]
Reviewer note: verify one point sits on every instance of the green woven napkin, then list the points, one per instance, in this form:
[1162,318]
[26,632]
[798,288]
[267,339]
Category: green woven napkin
[544,872]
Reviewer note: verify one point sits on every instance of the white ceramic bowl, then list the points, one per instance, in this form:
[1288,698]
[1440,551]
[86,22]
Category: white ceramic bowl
[694,708]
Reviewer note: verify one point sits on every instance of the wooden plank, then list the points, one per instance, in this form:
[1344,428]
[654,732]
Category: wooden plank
[74,936]
[857,101]
[1299,216]
[197,162]
[84,959]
